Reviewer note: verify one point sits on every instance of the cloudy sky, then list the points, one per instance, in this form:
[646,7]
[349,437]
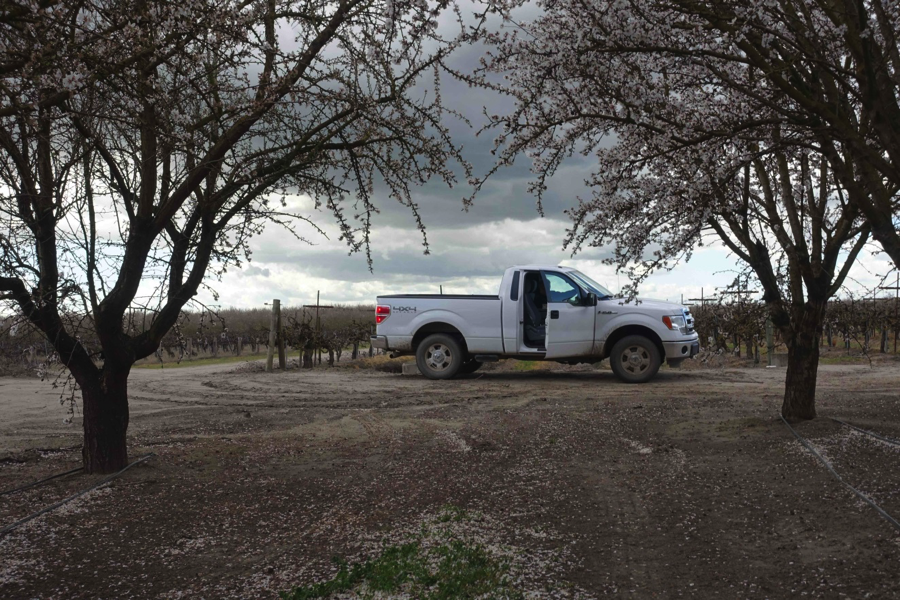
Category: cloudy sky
[468,249]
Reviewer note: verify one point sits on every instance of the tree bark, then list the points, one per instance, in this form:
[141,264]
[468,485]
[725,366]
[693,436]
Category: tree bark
[803,360]
[800,382]
[105,422]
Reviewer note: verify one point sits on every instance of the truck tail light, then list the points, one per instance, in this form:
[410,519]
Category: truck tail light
[382,313]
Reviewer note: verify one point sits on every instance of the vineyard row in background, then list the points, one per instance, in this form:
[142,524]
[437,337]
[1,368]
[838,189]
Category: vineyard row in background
[211,334]
[857,326]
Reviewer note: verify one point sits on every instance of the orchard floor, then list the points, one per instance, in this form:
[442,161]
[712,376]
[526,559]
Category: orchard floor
[689,486]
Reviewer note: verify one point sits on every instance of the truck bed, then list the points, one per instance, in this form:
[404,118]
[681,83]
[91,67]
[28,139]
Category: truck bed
[477,317]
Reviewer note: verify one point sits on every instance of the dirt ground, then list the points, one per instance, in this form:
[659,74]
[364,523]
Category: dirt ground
[689,486]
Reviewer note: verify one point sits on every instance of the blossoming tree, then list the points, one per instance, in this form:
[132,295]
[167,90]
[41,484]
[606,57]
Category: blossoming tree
[694,138]
[142,144]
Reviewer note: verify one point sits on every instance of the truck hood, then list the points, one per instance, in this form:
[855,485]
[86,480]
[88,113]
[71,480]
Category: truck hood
[644,305]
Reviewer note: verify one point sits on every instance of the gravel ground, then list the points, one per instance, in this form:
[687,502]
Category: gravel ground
[689,486]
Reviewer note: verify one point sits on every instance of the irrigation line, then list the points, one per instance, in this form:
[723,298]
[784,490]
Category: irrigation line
[40,481]
[828,466]
[20,522]
[867,432]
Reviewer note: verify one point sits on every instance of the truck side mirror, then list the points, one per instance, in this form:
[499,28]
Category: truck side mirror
[590,299]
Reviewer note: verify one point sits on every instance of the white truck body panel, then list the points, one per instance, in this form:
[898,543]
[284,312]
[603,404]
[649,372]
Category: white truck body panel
[477,318]
[572,333]
[580,320]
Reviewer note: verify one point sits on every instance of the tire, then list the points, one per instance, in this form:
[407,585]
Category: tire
[439,356]
[469,366]
[635,359]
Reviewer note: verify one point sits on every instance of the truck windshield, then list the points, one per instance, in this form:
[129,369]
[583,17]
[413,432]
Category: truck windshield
[590,284]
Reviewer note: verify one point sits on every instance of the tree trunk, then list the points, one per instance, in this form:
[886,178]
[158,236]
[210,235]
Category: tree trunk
[105,422]
[803,363]
[800,383]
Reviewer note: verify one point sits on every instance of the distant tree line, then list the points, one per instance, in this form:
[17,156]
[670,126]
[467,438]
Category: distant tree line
[870,325]
[208,334]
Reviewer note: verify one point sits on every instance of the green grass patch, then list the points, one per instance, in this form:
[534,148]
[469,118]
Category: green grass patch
[454,514]
[200,362]
[435,565]
[526,365]
[843,359]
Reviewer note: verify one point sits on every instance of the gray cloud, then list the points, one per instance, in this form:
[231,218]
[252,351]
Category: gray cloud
[477,250]
[469,249]
[253,270]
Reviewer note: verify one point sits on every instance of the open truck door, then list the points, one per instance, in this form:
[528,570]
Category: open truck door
[570,317]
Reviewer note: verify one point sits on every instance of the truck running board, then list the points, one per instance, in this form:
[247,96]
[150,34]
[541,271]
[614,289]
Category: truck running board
[483,358]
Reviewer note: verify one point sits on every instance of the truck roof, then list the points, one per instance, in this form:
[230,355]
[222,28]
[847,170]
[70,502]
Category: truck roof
[542,267]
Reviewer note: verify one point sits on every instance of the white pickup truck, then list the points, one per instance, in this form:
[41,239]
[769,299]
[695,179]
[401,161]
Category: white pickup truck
[541,313]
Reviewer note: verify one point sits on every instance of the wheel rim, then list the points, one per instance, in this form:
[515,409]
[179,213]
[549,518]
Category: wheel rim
[636,359]
[438,357]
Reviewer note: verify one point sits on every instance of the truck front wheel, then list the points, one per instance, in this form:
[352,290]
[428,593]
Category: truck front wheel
[635,359]
[439,356]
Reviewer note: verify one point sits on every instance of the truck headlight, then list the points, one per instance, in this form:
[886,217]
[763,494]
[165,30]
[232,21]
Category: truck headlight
[675,323]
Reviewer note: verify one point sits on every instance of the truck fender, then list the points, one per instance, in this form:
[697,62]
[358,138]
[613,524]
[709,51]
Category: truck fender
[437,316]
[626,320]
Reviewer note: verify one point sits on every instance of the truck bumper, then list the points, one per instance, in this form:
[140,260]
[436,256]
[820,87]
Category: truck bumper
[681,350]
[398,343]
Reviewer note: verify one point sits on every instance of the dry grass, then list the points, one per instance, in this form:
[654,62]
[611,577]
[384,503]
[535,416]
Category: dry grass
[380,362]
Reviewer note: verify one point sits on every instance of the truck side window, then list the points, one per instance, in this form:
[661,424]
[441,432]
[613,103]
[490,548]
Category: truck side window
[561,289]
[514,291]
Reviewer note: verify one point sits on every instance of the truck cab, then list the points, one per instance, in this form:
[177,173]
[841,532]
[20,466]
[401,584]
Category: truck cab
[541,313]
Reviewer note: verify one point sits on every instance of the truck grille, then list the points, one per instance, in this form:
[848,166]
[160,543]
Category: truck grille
[689,321]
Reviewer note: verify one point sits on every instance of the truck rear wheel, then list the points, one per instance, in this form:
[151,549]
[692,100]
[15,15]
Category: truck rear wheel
[635,359]
[439,356]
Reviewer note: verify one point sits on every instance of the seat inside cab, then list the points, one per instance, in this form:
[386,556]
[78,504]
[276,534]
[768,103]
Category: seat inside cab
[535,310]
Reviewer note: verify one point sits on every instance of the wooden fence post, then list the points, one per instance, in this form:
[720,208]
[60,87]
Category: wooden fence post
[282,359]
[770,344]
[273,323]
[189,350]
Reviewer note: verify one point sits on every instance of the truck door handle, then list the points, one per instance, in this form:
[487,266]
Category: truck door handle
[554,314]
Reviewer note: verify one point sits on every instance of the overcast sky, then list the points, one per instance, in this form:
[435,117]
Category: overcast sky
[469,250]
